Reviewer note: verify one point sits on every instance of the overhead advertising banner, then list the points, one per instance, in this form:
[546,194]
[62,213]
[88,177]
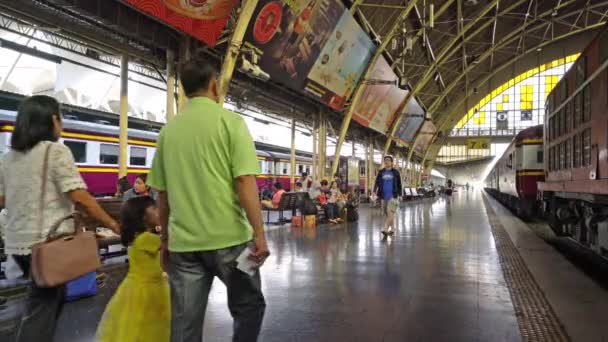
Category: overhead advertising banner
[380,101]
[424,139]
[202,19]
[341,63]
[289,36]
[413,117]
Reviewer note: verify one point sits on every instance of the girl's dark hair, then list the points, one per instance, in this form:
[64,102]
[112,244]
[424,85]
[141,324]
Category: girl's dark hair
[132,218]
[278,185]
[143,177]
[123,185]
[35,122]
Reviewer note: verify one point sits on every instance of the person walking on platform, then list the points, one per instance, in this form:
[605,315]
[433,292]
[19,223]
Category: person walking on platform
[206,150]
[388,188]
[40,185]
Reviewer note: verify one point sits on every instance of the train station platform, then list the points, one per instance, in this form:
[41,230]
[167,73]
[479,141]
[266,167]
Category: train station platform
[458,268]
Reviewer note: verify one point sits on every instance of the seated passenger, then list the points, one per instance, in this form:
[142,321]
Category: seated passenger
[276,198]
[140,188]
[299,187]
[324,186]
[122,186]
[332,204]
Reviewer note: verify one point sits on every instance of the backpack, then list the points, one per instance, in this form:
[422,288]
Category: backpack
[308,207]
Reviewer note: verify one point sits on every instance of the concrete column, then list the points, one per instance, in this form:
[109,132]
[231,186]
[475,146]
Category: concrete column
[322,146]
[315,153]
[184,56]
[293,155]
[124,117]
[234,47]
[170,111]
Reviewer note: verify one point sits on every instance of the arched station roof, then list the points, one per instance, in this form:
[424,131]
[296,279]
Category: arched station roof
[449,52]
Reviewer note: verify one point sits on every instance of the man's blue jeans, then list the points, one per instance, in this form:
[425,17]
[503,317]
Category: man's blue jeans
[191,275]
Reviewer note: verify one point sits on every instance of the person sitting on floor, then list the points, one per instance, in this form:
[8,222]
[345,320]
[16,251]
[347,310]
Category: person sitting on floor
[276,198]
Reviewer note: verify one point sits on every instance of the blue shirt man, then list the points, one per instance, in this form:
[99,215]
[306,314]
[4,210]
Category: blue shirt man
[388,181]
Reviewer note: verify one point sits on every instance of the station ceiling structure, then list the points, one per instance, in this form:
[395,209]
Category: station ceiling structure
[447,52]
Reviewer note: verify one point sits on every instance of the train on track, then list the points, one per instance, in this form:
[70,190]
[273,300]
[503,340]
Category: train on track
[560,169]
[95,149]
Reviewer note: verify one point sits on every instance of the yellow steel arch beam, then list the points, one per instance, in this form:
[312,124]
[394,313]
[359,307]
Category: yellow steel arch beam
[445,120]
[234,47]
[445,53]
[508,39]
[359,90]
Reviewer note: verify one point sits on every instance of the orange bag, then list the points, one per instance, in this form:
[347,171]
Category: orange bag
[310,221]
[296,221]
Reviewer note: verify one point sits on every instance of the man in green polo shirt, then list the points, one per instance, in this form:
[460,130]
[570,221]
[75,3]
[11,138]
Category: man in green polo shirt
[204,169]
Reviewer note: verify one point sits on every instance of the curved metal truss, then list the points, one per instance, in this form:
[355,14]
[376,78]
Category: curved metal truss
[468,42]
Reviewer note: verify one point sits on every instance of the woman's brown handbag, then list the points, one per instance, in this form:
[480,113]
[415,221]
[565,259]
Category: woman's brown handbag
[60,259]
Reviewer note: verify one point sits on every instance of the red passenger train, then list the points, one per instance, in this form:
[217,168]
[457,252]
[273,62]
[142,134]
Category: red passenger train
[575,191]
[572,182]
[514,178]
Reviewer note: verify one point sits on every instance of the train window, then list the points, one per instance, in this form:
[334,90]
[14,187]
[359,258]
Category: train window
[137,156]
[540,156]
[587,103]
[568,153]
[79,150]
[308,170]
[510,161]
[578,111]
[560,129]
[581,71]
[563,90]
[576,146]
[300,169]
[562,156]
[603,46]
[568,116]
[108,154]
[587,147]
[551,159]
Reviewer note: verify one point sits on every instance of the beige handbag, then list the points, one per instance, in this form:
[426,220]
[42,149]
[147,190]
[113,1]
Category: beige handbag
[60,259]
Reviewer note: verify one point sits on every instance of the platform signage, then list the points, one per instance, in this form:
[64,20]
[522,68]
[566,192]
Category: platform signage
[413,117]
[380,101]
[289,36]
[202,19]
[425,136]
[478,144]
[341,63]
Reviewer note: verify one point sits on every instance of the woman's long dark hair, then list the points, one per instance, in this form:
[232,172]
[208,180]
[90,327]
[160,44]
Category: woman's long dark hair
[35,122]
[132,218]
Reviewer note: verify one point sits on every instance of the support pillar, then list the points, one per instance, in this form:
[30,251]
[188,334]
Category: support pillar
[315,153]
[367,168]
[292,181]
[322,146]
[234,48]
[184,56]
[123,135]
[170,111]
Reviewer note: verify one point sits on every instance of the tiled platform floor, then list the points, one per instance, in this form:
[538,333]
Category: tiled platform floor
[437,279]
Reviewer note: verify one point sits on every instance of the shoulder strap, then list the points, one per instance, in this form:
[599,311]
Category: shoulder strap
[45,172]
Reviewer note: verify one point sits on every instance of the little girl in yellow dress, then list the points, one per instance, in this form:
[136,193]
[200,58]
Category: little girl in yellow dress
[140,309]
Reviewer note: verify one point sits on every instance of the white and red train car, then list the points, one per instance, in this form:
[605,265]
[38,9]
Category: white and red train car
[514,178]
[95,149]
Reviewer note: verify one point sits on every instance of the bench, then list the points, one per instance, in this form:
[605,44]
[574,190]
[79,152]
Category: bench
[290,201]
[111,246]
